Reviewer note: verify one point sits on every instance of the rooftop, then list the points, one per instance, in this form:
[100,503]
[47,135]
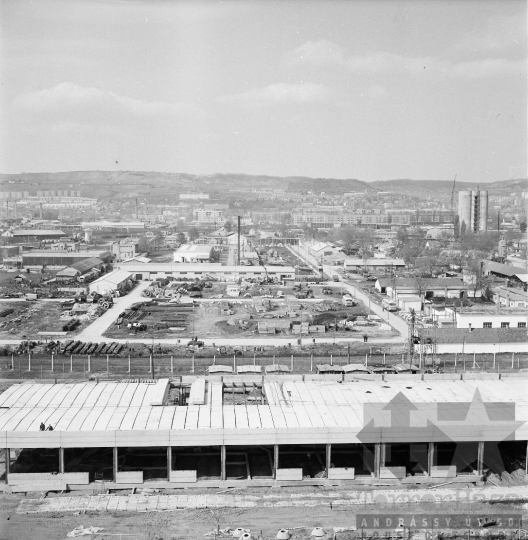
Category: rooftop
[106,414]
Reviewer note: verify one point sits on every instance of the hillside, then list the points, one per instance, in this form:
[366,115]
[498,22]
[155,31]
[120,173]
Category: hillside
[160,185]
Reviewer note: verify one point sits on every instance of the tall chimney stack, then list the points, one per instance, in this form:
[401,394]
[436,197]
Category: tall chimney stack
[137,211]
[41,214]
[238,219]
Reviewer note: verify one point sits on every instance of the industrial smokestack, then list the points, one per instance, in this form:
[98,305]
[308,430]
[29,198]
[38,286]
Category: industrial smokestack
[16,213]
[137,211]
[41,211]
[7,209]
[238,219]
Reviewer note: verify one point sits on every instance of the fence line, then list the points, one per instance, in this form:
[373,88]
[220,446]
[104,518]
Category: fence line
[30,366]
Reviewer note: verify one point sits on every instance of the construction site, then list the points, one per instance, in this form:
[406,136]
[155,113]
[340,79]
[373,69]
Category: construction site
[230,431]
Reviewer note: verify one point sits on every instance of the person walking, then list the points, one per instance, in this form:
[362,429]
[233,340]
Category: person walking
[365,338]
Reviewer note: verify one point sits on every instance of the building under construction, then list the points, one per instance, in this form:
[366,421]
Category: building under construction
[275,430]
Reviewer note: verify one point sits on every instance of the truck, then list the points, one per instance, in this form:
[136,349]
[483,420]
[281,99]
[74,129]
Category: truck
[389,305]
[31,297]
[348,301]
[335,277]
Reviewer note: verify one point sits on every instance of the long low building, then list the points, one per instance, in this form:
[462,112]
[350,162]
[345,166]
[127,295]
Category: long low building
[118,280]
[151,271]
[62,258]
[285,430]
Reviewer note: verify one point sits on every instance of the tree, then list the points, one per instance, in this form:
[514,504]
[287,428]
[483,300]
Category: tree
[181,238]
[456,227]
[463,229]
[228,225]
[522,226]
[193,233]
[402,236]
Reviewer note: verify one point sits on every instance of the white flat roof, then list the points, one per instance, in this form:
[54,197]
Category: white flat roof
[115,277]
[108,414]
[201,267]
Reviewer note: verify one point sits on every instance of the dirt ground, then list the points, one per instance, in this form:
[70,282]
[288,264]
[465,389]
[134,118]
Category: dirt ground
[192,524]
[206,321]
[29,318]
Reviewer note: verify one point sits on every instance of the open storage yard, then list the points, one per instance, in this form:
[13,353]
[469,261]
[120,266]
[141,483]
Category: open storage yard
[266,315]
[20,319]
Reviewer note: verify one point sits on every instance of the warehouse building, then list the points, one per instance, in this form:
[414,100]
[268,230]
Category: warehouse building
[118,280]
[32,234]
[193,253]
[152,271]
[60,259]
[312,432]
[91,266]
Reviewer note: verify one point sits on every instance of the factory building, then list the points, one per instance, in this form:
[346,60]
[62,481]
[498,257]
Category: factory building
[354,429]
[193,253]
[473,210]
[152,271]
[50,258]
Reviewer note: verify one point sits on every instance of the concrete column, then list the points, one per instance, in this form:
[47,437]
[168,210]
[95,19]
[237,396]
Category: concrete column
[383,454]
[223,461]
[169,462]
[430,457]
[480,457]
[7,464]
[61,460]
[377,459]
[275,460]
[328,459]
[116,456]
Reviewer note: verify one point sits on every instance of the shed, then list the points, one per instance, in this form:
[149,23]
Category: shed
[356,368]
[326,369]
[250,369]
[277,368]
[220,369]
[407,368]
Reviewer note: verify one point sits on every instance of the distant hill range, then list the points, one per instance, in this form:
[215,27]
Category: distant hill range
[159,185]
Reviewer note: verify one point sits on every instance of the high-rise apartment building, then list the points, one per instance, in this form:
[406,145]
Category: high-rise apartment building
[473,210]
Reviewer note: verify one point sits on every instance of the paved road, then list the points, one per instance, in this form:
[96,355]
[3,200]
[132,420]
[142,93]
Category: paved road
[94,332]
[396,322]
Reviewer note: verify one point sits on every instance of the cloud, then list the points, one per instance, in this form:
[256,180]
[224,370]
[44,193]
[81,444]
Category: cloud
[320,52]
[69,103]
[280,93]
[499,33]
[382,62]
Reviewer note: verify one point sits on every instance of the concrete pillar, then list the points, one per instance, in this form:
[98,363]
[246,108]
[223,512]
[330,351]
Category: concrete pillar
[430,457]
[61,460]
[169,462]
[383,454]
[377,459]
[7,464]
[480,457]
[115,463]
[275,460]
[328,459]
[223,461]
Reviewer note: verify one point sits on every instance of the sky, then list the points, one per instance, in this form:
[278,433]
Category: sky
[365,89]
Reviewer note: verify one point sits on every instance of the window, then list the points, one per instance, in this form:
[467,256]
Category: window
[521,325]
[505,324]
[486,325]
